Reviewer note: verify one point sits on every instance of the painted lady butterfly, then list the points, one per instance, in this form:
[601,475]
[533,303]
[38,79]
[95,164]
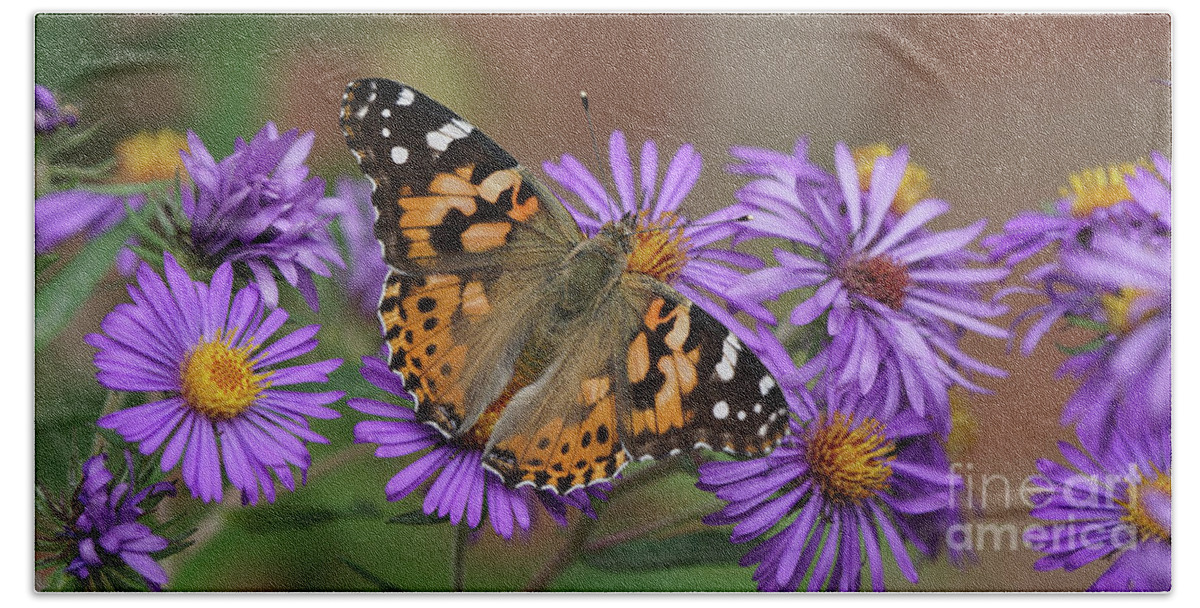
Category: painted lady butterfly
[521,336]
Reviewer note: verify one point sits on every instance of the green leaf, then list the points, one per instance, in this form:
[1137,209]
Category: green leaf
[56,303]
[1086,348]
[44,261]
[1086,323]
[705,547]
[416,517]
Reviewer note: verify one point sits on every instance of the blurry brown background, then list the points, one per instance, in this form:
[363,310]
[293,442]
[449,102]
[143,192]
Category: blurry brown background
[999,108]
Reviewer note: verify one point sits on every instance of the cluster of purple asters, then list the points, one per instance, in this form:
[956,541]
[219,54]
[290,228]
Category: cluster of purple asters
[1108,244]
[1109,240]
[213,359]
[863,472]
[101,534]
[257,208]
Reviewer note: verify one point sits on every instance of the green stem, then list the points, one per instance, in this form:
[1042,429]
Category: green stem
[459,555]
[617,538]
[582,530]
[565,556]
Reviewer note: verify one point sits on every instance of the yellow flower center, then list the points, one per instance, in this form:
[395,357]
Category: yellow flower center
[850,464]
[1098,188]
[660,248]
[219,381]
[914,186]
[148,157]
[1145,505]
[1118,308]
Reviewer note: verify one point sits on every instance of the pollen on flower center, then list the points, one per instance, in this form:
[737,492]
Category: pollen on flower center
[849,463]
[218,380]
[1148,505]
[660,248]
[1098,188]
[880,278]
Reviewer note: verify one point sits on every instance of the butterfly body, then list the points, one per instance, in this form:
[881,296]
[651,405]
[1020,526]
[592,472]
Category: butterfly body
[557,354]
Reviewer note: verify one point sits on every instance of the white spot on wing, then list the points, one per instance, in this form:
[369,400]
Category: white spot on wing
[757,408]
[729,357]
[386,113]
[386,132]
[362,112]
[741,414]
[438,141]
[765,385]
[406,97]
[762,431]
[720,410]
[399,154]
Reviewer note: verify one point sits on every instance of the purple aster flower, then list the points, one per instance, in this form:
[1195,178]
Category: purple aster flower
[462,489]
[259,207]
[671,248]
[222,376]
[897,295]
[1111,273]
[367,270]
[1097,199]
[1116,506]
[107,532]
[840,488]
[1126,385]
[48,116]
[60,216]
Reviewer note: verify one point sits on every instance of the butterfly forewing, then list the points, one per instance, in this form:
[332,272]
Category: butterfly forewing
[691,383]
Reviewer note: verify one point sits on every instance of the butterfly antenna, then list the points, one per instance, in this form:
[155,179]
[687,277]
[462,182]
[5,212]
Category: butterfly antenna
[587,113]
[692,224]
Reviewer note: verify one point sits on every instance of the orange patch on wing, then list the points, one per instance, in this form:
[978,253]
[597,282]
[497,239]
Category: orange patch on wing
[493,185]
[420,211]
[654,317]
[523,210]
[475,301]
[637,360]
[418,243]
[485,237]
[419,329]
[452,184]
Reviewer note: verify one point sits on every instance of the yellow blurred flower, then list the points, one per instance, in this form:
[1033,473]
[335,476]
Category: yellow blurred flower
[914,186]
[1099,188]
[148,157]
